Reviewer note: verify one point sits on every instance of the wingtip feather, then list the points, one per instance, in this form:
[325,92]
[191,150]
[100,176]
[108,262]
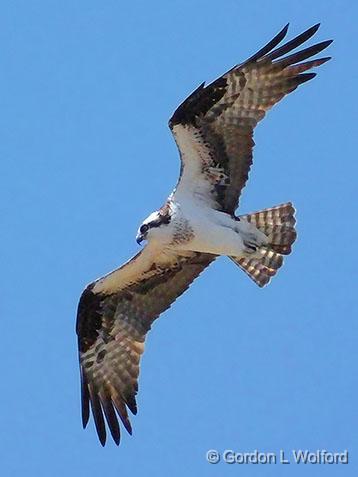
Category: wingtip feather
[269,46]
[292,44]
[302,78]
[315,27]
[98,416]
[285,29]
[322,45]
[85,420]
[325,59]
[122,413]
[85,412]
[111,418]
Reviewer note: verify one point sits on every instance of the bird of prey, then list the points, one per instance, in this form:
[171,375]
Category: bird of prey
[213,129]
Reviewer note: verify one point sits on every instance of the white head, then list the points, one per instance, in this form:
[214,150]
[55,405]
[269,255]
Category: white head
[155,225]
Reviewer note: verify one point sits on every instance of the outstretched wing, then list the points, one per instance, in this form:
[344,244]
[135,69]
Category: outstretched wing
[214,126]
[114,315]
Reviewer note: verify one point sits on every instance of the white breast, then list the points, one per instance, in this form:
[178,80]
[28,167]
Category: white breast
[213,231]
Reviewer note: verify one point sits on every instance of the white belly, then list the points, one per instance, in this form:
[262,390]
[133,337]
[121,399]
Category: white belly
[213,232]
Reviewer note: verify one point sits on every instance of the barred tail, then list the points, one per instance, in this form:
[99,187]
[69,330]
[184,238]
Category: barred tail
[278,224]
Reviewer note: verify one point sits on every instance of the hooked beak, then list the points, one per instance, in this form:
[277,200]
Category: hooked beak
[139,239]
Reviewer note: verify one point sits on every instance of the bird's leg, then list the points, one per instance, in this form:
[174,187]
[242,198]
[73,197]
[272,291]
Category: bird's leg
[251,243]
[251,236]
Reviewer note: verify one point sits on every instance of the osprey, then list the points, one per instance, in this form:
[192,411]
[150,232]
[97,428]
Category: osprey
[213,129]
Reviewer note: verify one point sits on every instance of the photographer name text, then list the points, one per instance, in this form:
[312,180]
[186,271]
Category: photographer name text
[295,456]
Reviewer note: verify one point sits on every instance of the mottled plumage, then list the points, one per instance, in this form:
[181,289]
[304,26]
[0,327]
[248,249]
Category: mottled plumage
[111,330]
[213,129]
[224,133]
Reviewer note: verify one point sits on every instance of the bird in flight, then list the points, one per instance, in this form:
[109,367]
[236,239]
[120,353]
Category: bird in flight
[213,129]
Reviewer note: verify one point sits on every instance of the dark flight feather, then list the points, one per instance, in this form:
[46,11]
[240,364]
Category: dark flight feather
[223,135]
[112,328]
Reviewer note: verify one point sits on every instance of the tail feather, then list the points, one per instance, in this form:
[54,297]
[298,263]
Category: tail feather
[278,224]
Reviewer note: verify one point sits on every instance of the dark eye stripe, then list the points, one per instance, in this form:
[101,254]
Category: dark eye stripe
[162,219]
[144,228]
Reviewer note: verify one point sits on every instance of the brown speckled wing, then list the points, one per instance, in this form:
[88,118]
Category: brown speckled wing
[112,324]
[214,127]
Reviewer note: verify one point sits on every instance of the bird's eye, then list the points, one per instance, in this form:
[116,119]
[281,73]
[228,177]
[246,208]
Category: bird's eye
[144,228]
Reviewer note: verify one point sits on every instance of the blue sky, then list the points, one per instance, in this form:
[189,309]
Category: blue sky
[86,91]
